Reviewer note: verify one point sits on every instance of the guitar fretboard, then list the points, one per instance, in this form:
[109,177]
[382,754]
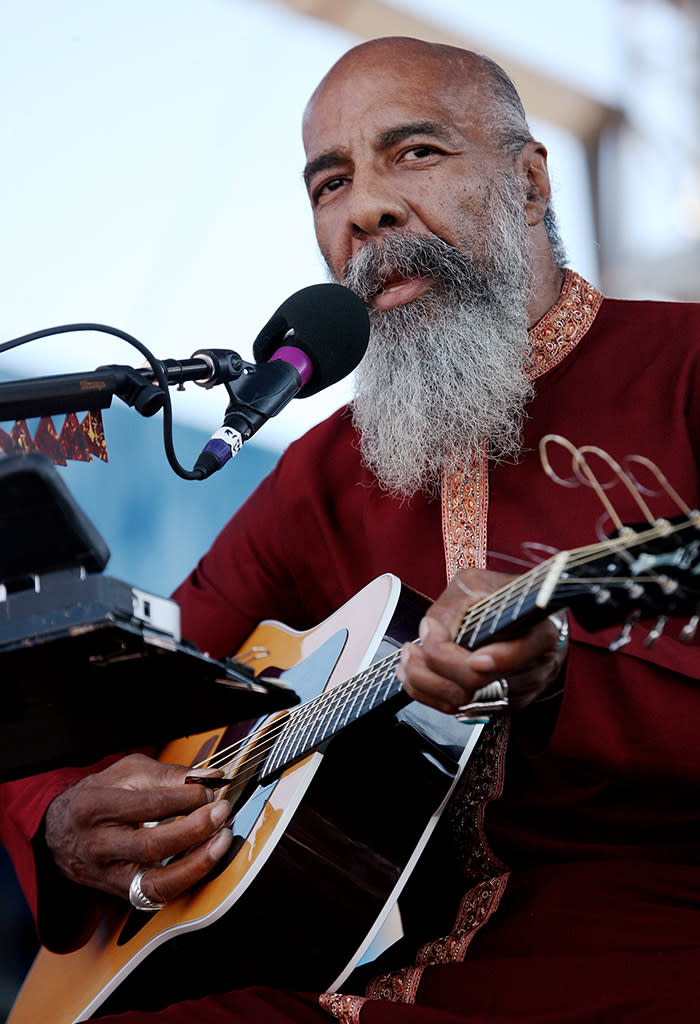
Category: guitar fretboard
[310,725]
[511,603]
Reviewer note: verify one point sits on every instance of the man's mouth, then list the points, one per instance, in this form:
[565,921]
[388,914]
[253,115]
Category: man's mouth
[397,291]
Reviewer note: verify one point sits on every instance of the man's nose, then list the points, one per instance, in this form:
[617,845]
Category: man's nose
[375,207]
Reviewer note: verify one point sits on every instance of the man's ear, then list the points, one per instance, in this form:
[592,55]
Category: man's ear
[532,161]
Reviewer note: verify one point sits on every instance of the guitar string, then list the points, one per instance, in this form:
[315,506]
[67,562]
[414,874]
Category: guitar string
[345,693]
[262,742]
[332,702]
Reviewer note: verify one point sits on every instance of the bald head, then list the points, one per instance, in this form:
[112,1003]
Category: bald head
[472,78]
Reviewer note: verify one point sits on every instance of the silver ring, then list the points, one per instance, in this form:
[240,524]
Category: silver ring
[489,699]
[563,630]
[137,897]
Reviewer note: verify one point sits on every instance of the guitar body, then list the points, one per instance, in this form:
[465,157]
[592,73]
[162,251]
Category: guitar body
[320,853]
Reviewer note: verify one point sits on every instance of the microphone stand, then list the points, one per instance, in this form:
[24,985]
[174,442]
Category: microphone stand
[82,392]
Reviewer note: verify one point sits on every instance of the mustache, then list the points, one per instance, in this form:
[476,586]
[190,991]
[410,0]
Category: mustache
[408,255]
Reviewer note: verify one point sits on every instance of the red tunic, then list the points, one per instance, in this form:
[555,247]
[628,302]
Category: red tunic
[599,822]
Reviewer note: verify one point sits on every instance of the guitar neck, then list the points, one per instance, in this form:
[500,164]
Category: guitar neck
[309,725]
[652,571]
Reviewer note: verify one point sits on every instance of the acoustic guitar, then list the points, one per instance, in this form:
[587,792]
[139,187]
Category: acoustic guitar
[333,801]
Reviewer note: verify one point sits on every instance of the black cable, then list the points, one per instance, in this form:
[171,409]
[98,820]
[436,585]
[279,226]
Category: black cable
[153,362]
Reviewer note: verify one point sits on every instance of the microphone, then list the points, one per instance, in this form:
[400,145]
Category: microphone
[316,337]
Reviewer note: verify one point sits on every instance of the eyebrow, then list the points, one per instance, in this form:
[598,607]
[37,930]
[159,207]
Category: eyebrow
[389,137]
[324,162]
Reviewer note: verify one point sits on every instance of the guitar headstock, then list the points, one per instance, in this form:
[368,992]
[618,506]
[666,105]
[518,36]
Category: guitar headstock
[642,572]
[648,569]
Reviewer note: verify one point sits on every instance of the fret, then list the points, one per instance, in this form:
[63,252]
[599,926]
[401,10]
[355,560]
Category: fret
[502,608]
[357,696]
[520,604]
[277,754]
[338,700]
[307,731]
[283,751]
[478,624]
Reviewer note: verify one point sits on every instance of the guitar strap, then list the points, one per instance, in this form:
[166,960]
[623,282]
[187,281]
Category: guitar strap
[465,497]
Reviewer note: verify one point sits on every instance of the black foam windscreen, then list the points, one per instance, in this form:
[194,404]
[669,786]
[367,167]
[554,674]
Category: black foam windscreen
[330,324]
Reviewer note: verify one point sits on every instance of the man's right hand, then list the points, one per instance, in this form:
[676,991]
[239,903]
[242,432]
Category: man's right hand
[95,831]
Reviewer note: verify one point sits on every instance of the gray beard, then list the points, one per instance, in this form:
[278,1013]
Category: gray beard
[443,374]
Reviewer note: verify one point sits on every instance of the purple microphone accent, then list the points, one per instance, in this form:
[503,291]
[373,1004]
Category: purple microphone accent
[298,359]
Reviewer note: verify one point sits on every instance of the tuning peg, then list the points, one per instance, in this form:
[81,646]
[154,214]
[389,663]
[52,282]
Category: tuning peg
[689,630]
[624,638]
[667,583]
[656,632]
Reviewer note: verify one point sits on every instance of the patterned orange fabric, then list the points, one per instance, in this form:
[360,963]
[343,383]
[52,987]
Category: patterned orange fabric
[22,438]
[93,431]
[78,441]
[47,442]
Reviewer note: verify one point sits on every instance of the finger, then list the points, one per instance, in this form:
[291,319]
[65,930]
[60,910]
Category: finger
[95,806]
[164,882]
[530,664]
[139,772]
[443,689]
[118,843]
[170,838]
[538,645]
[444,657]
[444,675]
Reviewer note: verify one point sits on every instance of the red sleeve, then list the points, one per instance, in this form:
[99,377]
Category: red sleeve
[64,912]
[239,580]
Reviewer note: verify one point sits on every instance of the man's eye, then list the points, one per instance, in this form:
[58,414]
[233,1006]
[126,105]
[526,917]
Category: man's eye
[419,152]
[328,186]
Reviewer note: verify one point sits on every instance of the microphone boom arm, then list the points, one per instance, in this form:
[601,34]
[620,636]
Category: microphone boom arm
[83,392]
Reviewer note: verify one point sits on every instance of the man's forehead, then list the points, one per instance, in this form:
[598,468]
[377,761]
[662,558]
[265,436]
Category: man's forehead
[380,97]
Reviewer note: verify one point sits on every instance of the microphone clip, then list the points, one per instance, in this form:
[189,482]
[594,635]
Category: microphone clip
[224,366]
[262,390]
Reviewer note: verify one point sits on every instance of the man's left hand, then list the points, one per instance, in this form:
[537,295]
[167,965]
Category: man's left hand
[446,676]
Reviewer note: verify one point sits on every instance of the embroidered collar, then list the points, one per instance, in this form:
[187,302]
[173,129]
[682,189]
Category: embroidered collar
[563,326]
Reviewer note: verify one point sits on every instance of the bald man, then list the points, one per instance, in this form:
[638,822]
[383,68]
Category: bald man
[575,833]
